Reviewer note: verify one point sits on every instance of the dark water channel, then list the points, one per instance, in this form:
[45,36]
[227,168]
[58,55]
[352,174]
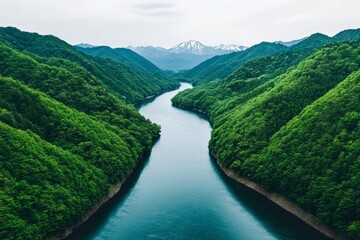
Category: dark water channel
[181,194]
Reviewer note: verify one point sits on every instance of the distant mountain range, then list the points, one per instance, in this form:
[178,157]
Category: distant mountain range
[197,48]
[290,43]
[288,118]
[220,67]
[185,55]
[85,45]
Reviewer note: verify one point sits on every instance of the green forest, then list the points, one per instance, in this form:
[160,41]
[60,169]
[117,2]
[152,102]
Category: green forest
[290,121]
[287,118]
[219,67]
[67,134]
[130,84]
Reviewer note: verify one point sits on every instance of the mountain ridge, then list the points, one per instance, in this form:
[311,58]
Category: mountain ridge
[290,122]
[130,84]
[219,67]
[191,46]
[185,55]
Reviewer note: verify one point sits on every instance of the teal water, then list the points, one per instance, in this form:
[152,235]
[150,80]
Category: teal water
[179,193]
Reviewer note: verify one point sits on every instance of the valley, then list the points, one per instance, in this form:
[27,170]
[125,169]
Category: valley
[84,125]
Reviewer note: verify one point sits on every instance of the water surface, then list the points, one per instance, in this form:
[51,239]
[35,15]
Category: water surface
[180,193]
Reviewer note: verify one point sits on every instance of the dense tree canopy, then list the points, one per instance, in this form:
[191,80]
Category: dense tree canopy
[219,67]
[65,136]
[291,123]
[127,83]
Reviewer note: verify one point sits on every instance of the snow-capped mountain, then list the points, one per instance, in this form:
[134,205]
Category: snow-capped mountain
[231,47]
[189,47]
[185,55]
[195,47]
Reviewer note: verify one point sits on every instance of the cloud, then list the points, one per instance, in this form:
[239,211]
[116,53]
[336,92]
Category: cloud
[168,22]
[154,9]
[154,6]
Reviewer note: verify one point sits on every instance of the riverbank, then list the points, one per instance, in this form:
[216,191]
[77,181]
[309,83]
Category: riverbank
[183,195]
[114,190]
[282,202]
[150,97]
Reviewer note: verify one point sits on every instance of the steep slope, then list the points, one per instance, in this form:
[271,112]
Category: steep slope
[250,110]
[122,55]
[134,61]
[64,142]
[221,66]
[55,134]
[43,187]
[315,41]
[129,84]
[75,87]
[260,117]
[322,162]
[347,35]
[218,68]
[240,85]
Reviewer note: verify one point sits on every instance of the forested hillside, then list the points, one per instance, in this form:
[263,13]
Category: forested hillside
[127,83]
[64,139]
[219,67]
[124,56]
[290,122]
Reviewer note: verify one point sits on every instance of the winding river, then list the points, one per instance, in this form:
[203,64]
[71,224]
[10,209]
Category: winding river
[179,192]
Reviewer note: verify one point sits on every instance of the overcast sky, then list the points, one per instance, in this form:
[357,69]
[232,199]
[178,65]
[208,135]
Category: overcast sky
[119,23]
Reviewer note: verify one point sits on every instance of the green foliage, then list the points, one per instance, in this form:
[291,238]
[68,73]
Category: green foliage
[43,188]
[262,116]
[75,87]
[221,66]
[315,41]
[315,158]
[293,127]
[347,35]
[124,56]
[64,139]
[130,84]
[109,150]
[240,85]
[67,128]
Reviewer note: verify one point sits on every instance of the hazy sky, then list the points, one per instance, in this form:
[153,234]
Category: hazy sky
[119,23]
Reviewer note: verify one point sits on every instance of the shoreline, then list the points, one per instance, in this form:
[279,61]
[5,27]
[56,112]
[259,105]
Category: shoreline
[279,200]
[138,104]
[282,202]
[114,189]
[69,230]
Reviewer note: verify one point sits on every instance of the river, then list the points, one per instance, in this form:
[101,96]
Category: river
[180,193]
